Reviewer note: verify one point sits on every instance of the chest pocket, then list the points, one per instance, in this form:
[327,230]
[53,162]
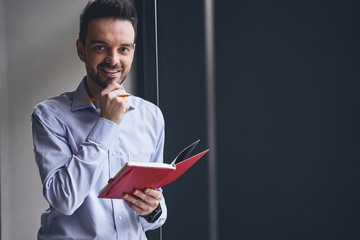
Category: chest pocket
[139,158]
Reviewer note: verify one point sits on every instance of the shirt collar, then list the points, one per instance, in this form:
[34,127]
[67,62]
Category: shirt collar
[82,93]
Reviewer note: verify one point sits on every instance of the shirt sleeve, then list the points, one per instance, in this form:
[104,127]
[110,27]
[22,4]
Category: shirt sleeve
[158,223]
[68,177]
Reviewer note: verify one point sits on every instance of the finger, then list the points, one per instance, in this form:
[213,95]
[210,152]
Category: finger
[115,92]
[156,194]
[115,88]
[144,197]
[112,86]
[126,108]
[138,210]
[138,205]
[137,201]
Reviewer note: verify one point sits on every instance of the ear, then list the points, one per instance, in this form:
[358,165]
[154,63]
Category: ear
[134,50]
[80,50]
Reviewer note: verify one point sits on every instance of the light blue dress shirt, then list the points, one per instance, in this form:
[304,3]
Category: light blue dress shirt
[77,152]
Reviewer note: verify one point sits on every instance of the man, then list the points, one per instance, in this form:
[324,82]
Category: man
[79,145]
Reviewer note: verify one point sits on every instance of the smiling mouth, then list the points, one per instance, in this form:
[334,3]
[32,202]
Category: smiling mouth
[111,71]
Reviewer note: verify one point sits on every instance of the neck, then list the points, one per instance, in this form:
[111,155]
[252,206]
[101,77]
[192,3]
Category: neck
[92,88]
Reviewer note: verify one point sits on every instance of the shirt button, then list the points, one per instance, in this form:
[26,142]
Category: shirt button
[114,154]
[120,218]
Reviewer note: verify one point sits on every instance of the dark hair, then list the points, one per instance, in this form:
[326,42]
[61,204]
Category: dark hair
[118,9]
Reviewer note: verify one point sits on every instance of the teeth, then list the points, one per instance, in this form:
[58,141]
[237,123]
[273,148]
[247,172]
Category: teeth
[112,71]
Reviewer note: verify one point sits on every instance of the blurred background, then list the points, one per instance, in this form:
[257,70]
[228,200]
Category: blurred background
[271,87]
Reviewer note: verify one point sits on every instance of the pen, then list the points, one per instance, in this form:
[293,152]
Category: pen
[96,99]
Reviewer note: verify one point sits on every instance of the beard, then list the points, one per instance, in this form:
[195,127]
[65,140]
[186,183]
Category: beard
[95,76]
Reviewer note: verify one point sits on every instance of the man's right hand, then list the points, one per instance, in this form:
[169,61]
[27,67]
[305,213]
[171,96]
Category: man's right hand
[112,106]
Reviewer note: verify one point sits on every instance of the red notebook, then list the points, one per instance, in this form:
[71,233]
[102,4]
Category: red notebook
[142,175]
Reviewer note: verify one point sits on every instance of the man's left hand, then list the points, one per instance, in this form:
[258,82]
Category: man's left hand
[144,202]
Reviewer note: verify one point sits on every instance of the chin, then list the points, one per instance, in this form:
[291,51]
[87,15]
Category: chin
[103,82]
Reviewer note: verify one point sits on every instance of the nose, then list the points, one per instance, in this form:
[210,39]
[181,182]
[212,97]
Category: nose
[113,58]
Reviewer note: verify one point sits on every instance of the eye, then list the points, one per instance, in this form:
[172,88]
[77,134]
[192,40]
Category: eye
[99,47]
[124,49]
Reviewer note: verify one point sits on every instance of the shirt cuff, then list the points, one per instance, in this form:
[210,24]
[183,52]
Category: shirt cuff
[103,133]
[155,215]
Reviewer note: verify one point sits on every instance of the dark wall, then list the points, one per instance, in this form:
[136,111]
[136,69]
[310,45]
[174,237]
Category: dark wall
[182,101]
[287,83]
[288,114]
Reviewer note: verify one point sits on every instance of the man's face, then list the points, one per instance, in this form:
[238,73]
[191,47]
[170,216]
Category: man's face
[108,51]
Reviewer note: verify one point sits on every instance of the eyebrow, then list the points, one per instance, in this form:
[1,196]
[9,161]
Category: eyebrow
[94,41]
